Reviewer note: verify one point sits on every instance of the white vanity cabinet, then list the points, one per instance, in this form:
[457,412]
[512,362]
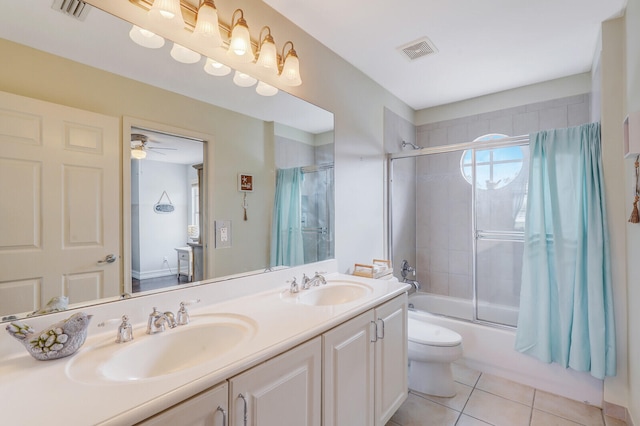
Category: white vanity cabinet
[365,366]
[208,408]
[285,390]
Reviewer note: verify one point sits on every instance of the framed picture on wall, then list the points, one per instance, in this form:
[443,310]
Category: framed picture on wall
[245,182]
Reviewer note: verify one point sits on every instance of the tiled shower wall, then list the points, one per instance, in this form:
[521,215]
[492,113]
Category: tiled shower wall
[443,199]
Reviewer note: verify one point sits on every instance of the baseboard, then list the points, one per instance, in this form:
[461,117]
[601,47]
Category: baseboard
[617,412]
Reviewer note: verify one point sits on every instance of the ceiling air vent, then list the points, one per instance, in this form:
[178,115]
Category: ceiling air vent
[418,49]
[74,8]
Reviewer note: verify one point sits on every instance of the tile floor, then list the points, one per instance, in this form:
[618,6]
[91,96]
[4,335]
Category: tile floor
[483,399]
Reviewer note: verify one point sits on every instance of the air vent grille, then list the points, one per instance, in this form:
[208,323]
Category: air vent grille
[418,49]
[74,8]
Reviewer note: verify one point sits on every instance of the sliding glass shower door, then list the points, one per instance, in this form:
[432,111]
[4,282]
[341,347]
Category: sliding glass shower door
[469,202]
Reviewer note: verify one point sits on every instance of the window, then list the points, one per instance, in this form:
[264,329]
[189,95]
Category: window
[495,168]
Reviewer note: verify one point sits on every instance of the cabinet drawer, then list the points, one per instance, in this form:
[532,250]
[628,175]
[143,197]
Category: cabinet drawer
[183,256]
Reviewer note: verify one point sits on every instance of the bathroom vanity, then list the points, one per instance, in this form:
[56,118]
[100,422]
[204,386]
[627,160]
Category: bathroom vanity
[253,353]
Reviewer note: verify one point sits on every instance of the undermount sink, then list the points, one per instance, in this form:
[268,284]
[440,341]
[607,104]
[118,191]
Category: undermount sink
[332,293]
[205,339]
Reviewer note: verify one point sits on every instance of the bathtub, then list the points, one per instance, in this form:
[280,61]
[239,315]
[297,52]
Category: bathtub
[490,350]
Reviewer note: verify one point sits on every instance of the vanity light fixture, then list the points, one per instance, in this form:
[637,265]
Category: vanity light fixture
[243,80]
[145,38]
[265,89]
[138,153]
[291,68]
[239,39]
[207,26]
[212,38]
[268,56]
[167,11]
[184,55]
[216,68]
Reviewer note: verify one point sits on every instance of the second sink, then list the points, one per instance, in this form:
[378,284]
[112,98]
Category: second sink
[333,293]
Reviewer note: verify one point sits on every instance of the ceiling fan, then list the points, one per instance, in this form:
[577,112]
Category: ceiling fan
[139,146]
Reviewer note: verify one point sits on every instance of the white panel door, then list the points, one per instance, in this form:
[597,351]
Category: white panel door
[348,376]
[59,204]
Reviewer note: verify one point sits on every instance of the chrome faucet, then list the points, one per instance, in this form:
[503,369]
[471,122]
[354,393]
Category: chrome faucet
[125,331]
[294,285]
[317,280]
[157,321]
[306,282]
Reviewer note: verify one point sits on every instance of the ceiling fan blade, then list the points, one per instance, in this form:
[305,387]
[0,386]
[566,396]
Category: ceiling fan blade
[154,148]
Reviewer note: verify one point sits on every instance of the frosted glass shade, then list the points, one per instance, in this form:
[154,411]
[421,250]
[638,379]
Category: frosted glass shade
[167,11]
[216,68]
[184,55]
[291,70]
[207,27]
[138,153]
[265,89]
[268,58]
[145,38]
[243,80]
[240,44]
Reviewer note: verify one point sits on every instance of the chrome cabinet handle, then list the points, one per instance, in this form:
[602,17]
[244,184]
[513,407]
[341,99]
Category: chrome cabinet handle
[382,321]
[109,259]
[244,400]
[375,332]
[224,415]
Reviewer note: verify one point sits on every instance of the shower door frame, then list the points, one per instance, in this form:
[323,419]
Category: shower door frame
[522,140]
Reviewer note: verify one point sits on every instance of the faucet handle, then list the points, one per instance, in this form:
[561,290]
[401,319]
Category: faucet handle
[294,286]
[182,315]
[125,331]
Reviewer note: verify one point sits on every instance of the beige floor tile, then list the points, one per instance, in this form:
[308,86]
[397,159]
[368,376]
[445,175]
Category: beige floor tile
[540,418]
[497,410]
[390,423]
[568,409]
[457,402]
[465,420]
[417,411]
[506,389]
[464,374]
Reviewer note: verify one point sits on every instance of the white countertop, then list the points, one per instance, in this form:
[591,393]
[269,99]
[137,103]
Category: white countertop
[42,392]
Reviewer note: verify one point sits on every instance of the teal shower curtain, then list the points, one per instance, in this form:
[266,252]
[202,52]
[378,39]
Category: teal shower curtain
[566,303]
[286,229]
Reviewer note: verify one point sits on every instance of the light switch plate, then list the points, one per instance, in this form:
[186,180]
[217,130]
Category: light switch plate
[223,233]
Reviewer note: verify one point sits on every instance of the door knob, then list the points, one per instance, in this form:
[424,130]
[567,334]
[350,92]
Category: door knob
[110,258]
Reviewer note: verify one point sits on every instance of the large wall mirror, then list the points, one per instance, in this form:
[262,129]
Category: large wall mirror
[167,206]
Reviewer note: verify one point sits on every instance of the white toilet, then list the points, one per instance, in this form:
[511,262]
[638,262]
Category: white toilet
[432,349]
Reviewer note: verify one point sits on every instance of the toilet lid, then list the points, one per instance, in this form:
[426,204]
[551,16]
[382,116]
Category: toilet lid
[430,334]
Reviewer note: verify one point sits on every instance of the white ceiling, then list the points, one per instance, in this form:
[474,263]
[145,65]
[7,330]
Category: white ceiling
[483,46]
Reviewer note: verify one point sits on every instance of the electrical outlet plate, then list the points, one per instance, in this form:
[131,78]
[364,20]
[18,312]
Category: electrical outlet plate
[223,233]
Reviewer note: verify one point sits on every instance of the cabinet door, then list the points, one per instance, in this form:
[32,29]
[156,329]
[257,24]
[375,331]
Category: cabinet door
[208,408]
[285,390]
[348,352]
[391,358]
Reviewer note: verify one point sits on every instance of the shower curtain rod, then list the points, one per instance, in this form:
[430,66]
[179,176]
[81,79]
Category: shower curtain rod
[494,143]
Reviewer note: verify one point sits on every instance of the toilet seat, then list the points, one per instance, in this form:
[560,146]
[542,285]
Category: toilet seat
[431,335]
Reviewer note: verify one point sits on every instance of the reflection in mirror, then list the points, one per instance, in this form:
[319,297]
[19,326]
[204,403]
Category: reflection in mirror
[109,78]
[166,246]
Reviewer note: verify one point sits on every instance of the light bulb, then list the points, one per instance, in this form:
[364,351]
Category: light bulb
[240,41]
[138,153]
